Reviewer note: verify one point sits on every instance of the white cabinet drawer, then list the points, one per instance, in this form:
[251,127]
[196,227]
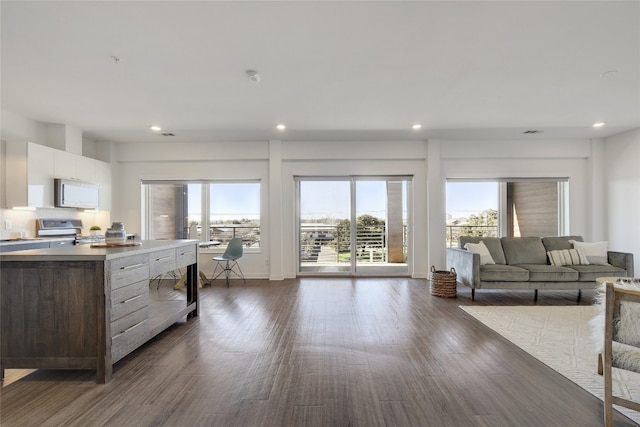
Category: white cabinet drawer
[128,299]
[162,261]
[186,256]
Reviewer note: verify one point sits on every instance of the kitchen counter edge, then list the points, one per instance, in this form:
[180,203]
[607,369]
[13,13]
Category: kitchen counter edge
[87,253]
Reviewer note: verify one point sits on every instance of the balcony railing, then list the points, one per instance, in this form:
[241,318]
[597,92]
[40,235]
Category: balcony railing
[220,234]
[336,243]
[455,231]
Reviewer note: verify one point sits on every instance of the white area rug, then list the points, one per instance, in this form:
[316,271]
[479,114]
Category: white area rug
[560,337]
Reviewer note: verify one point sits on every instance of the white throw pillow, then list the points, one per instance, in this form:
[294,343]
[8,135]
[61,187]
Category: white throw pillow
[596,252]
[567,257]
[482,250]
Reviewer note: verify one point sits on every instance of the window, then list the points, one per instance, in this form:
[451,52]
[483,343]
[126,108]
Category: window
[510,207]
[353,225]
[213,212]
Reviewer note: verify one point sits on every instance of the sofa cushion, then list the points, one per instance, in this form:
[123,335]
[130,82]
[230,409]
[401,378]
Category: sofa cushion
[503,273]
[524,250]
[492,243]
[480,249]
[589,273]
[596,252]
[559,243]
[550,273]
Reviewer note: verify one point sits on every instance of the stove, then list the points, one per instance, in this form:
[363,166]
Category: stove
[63,229]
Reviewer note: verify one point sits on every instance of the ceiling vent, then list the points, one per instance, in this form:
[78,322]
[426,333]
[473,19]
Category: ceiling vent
[530,132]
[167,134]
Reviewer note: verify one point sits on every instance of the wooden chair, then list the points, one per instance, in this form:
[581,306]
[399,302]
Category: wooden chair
[614,296]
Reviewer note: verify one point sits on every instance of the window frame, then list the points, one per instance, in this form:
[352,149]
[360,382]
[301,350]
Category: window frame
[205,212]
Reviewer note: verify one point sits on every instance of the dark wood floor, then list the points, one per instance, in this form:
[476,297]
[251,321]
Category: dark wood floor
[318,352]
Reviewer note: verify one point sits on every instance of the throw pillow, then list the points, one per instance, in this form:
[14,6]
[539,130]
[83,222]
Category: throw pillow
[561,257]
[482,250]
[596,252]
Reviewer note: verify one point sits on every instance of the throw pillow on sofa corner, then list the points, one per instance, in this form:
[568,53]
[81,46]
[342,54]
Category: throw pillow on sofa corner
[595,252]
[482,250]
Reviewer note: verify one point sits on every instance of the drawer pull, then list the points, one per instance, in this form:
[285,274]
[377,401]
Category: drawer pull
[186,253]
[127,267]
[130,328]
[131,299]
[164,257]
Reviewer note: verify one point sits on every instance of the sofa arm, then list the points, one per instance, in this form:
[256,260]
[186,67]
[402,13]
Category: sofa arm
[621,260]
[467,266]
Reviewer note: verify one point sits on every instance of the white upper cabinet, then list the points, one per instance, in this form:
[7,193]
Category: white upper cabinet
[29,175]
[72,166]
[31,170]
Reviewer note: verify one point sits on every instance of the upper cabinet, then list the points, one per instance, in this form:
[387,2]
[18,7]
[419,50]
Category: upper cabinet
[31,170]
[29,175]
[72,166]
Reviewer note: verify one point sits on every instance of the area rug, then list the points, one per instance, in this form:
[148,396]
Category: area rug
[560,337]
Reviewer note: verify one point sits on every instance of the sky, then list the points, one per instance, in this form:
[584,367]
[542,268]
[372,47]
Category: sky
[228,201]
[466,198]
[322,199]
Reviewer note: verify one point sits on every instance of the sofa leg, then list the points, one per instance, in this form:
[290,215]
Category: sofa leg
[535,295]
[579,294]
[473,294]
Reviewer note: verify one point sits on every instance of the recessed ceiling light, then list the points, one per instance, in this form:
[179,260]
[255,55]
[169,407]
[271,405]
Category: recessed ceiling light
[281,127]
[416,126]
[155,128]
[598,124]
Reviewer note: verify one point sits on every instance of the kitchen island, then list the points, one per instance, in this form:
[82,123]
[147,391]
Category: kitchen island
[83,307]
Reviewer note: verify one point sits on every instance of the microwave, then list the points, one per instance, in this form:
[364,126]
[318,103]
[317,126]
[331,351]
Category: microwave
[69,193]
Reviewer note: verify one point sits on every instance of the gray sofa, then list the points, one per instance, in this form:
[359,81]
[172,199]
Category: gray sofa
[522,263]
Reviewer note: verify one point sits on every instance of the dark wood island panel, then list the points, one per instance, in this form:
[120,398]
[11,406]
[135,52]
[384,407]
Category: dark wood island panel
[86,308]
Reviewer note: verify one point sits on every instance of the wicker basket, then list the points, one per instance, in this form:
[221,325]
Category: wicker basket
[443,283]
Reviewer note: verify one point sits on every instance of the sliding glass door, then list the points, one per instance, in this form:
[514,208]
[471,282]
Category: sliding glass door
[353,225]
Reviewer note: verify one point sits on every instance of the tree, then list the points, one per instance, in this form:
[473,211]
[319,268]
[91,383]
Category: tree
[483,224]
[366,220]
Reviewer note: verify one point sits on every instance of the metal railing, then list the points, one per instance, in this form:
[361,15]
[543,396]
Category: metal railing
[455,231]
[221,234]
[370,244]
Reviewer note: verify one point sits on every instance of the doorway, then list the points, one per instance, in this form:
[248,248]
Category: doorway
[353,225]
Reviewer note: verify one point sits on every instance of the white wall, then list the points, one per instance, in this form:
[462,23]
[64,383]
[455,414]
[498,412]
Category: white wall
[276,163]
[511,159]
[355,158]
[192,161]
[604,178]
[622,193]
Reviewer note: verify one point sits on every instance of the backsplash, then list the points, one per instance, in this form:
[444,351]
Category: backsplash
[23,222]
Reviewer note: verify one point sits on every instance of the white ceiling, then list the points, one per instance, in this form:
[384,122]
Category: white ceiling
[329,70]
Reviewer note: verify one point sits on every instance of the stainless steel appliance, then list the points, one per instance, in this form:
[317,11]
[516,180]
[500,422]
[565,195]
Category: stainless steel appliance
[65,231]
[69,193]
